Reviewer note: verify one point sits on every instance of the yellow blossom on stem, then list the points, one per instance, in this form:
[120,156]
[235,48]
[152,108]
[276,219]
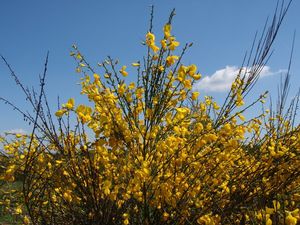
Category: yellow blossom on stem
[166,215]
[26,220]
[187,84]
[163,44]
[150,38]
[196,76]
[70,104]
[192,69]
[135,64]
[123,72]
[167,30]
[150,41]
[131,86]
[139,93]
[170,60]
[18,210]
[121,89]
[84,113]
[173,43]
[60,112]
[290,219]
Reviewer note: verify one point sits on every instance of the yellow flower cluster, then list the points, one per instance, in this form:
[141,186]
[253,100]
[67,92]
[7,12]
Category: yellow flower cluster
[154,152]
[150,41]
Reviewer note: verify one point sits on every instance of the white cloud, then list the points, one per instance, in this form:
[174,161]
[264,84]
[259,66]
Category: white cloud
[222,79]
[16,131]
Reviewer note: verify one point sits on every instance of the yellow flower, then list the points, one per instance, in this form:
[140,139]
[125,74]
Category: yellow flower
[187,84]
[183,110]
[121,89]
[123,72]
[173,44]
[171,59]
[155,57]
[161,68]
[290,220]
[197,76]
[67,196]
[150,38]
[167,30]
[96,77]
[60,112]
[239,99]
[129,97]
[84,113]
[182,73]
[216,106]
[70,104]
[276,204]
[154,48]
[269,221]
[150,41]
[131,86]
[18,210]
[135,64]
[26,220]
[242,117]
[125,216]
[78,70]
[195,95]
[206,219]
[192,69]
[163,44]
[269,210]
[78,56]
[295,212]
[259,216]
[139,93]
[166,215]
[106,187]
[240,102]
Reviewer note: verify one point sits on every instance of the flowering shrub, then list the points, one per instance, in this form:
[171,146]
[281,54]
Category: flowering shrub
[150,152]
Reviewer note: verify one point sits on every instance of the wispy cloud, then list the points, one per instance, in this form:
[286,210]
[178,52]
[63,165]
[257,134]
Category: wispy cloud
[16,131]
[222,79]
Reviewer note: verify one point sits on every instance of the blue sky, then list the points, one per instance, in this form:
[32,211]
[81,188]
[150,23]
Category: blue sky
[221,32]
